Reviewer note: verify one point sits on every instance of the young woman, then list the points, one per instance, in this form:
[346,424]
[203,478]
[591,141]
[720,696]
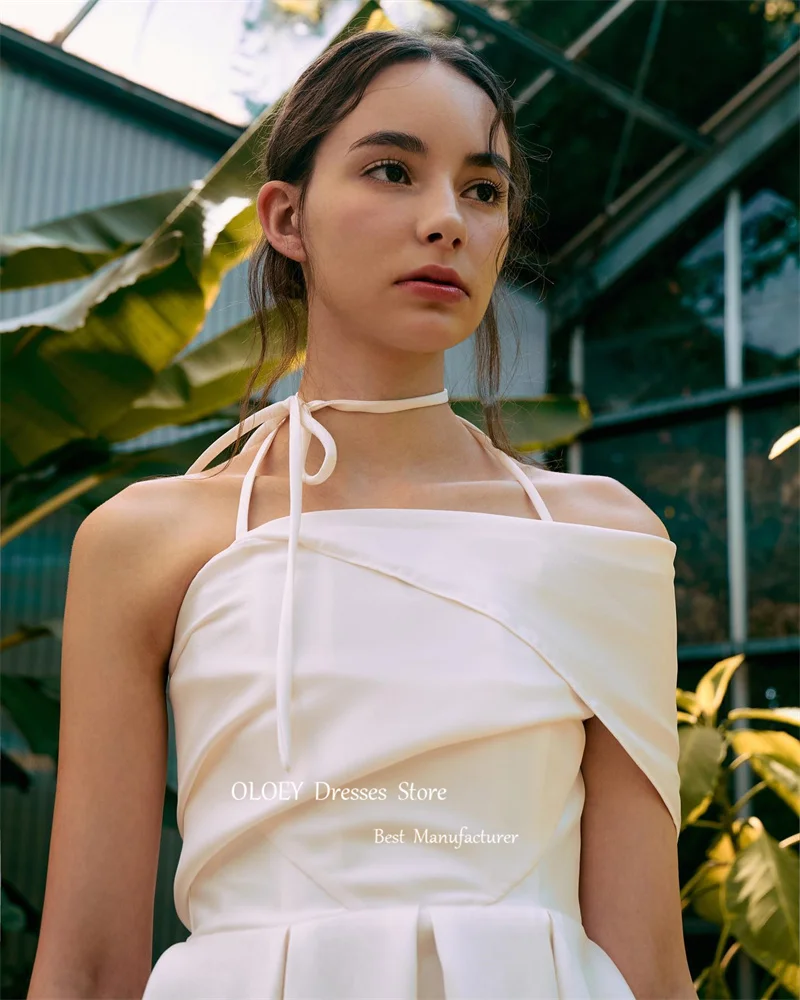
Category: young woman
[425,695]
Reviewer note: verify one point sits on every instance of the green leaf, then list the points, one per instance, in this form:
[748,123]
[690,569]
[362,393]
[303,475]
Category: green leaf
[533,424]
[206,379]
[775,757]
[762,892]
[76,246]
[791,716]
[784,442]
[12,917]
[706,889]
[34,711]
[73,368]
[687,700]
[32,498]
[712,687]
[47,627]
[702,750]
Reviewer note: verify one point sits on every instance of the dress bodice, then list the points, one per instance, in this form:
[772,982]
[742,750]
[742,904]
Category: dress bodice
[302,426]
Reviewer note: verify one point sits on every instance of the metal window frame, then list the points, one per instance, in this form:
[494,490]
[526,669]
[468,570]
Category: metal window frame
[667,412]
[730,400]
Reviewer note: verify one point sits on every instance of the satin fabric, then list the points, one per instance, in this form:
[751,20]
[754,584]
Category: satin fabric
[453,650]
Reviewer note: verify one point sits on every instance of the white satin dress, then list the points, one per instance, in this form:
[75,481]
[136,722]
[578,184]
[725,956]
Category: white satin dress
[355,650]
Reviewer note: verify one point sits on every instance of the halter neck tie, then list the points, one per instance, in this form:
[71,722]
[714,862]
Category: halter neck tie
[302,426]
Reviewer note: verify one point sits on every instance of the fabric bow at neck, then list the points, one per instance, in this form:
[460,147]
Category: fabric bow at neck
[302,426]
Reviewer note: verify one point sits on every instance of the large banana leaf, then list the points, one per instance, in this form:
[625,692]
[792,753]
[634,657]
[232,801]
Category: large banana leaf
[206,379]
[77,246]
[73,370]
[89,478]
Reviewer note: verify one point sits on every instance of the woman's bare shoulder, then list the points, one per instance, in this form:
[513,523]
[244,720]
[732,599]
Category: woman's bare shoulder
[150,509]
[594,500]
[145,544]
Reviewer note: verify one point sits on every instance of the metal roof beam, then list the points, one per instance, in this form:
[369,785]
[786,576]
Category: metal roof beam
[573,50]
[712,177]
[598,83]
[63,34]
[656,20]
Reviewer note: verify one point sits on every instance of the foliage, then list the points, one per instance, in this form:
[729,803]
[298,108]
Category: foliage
[749,883]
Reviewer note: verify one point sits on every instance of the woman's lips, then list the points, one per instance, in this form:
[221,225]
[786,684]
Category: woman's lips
[433,290]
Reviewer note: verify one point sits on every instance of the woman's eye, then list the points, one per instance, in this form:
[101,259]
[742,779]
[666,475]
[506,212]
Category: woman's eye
[394,167]
[390,167]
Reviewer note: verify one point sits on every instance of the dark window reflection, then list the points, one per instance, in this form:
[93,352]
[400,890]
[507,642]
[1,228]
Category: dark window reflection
[774,683]
[772,491]
[659,334]
[679,472]
[770,272]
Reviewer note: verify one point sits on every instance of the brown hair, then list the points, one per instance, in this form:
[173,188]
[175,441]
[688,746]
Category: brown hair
[325,93]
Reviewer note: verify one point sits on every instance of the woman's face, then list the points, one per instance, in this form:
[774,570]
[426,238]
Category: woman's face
[368,222]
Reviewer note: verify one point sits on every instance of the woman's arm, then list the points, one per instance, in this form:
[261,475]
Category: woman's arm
[629,882]
[97,921]
[629,886]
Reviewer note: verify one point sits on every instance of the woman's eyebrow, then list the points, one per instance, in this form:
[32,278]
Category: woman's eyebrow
[414,144]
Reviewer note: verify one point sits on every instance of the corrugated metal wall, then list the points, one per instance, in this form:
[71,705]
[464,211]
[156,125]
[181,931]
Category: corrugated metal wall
[63,152]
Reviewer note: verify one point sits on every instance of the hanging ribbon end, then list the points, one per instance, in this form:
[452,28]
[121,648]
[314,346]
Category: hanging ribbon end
[284,751]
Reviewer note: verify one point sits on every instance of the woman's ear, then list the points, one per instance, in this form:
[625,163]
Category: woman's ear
[276,206]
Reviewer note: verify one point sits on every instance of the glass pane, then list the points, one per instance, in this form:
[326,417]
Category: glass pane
[772,492]
[679,472]
[659,333]
[774,683]
[770,272]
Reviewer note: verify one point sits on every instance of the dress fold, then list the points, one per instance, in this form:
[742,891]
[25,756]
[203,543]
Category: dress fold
[496,952]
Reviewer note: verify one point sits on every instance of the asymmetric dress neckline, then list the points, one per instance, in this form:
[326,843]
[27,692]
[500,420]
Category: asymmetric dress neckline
[302,426]
[449,650]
